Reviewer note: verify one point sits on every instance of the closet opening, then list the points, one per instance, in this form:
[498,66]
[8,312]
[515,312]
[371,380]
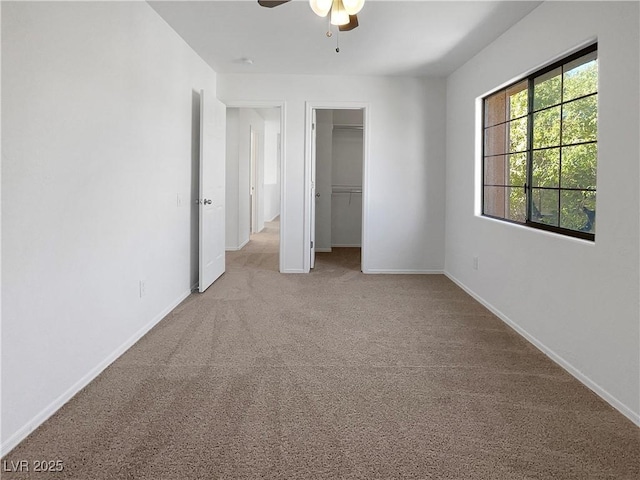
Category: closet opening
[337,153]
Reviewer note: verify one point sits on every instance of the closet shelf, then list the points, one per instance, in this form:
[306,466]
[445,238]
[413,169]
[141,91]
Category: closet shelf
[346,189]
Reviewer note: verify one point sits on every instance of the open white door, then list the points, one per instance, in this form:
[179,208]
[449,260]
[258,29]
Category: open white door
[212,194]
[312,216]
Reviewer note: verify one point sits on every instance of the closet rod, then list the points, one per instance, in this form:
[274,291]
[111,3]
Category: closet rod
[339,126]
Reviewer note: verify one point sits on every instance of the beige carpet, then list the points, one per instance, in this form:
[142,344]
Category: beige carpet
[333,375]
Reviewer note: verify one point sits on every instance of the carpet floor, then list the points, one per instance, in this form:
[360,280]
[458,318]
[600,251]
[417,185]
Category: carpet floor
[334,375]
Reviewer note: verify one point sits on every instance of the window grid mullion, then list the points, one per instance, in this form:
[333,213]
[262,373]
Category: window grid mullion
[506,153]
[560,149]
[555,105]
[561,145]
[508,121]
[539,149]
[527,189]
[569,189]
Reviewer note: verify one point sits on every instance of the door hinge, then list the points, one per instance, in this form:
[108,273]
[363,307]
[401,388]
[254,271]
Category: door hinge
[311,243]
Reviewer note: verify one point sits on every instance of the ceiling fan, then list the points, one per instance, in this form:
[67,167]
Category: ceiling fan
[343,12]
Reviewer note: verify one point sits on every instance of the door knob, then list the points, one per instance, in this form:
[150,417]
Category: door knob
[207,201]
[318,194]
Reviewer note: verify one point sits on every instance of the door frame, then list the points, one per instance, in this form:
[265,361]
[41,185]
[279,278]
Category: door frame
[308,201]
[283,157]
[253,182]
[313,170]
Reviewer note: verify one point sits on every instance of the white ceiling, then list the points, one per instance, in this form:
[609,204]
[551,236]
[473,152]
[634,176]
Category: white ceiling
[416,37]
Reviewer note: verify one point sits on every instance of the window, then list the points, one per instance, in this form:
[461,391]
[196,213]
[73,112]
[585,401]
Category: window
[540,148]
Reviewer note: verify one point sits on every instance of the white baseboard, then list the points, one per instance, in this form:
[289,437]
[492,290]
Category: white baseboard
[323,250]
[581,377]
[389,271]
[346,245]
[274,218]
[54,406]
[235,249]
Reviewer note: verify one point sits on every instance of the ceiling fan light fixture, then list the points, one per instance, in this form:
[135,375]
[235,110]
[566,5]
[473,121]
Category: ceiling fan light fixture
[339,15]
[321,7]
[353,6]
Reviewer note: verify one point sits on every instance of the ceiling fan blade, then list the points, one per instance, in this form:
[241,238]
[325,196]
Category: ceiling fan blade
[272,3]
[353,23]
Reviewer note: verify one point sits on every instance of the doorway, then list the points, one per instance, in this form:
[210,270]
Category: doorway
[253,177]
[337,184]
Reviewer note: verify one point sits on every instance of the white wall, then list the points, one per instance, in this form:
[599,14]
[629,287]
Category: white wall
[256,123]
[578,301]
[240,122]
[271,168]
[346,208]
[347,156]
[98,132]
[406,170]
[232,181]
